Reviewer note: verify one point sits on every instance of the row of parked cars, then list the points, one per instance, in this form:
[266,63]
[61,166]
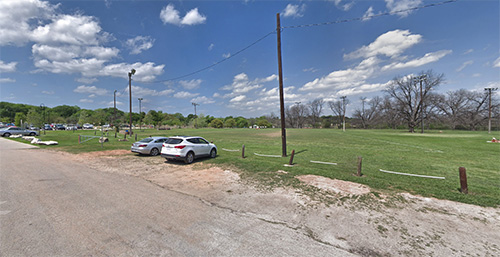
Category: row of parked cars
[185,148]
[67,127]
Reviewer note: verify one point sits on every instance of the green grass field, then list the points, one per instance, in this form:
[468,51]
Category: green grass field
[432,153]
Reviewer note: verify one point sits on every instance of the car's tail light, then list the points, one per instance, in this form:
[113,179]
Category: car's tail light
[179,146]
[143,145]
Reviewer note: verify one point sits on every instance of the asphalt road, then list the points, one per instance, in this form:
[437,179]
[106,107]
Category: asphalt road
[51,206]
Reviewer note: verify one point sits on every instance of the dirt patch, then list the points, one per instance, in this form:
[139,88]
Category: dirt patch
[355,220]
[335,185]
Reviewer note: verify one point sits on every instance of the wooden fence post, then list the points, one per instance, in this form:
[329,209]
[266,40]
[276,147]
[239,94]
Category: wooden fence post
[243,152]
[463,180]
[79,140]
[291,157]
[360,160]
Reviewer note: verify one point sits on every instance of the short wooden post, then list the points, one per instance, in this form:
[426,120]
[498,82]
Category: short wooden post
[291,157]
[125,136]
[79,139]
[135,136]
[360,160]
[95,132]
[463,180]
[115,134]
[243,152]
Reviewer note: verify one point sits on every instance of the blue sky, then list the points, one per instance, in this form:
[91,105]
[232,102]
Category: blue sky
[79,52]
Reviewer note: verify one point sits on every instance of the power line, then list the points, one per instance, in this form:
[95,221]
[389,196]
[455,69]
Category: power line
[301,26]
[231,55]
[370,16]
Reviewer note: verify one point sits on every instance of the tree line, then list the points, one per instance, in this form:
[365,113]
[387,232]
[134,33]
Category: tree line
[408,103]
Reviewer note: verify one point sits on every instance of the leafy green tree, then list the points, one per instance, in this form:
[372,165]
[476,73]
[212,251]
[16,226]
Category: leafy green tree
[35,117]
[216,123]
[230,123]
[20,117]
[264,123]
[241,122]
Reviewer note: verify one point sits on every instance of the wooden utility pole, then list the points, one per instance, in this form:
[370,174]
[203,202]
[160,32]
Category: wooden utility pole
[195,117]
[282,98]
[343,112]
[489,89]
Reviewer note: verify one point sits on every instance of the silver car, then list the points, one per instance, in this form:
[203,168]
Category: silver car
[6,132]
[151,145]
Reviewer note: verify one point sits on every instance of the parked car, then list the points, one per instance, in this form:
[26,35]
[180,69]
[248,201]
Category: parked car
[187,149]
[47,127]
[6,132]
[71,127]
[59,127]
[150,145]
[88,126]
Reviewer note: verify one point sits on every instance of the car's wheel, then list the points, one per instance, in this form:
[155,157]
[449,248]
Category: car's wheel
[154,152]
[189,158]
[6,135]
[213,153]
[32,134]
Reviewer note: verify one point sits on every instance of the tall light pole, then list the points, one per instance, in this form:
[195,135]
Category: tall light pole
[195,117]
[132,72]
[114,107]
[489,89]
[42,106]
[343,112]
[140,113]
[420,79]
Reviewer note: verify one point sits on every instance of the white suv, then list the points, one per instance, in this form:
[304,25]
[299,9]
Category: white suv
[187,148]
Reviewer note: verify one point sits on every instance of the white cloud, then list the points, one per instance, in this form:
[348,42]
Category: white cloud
[368,14]
[86,100]
[238,99]
[16,17]
[465,64]
[241,84]
[139,44]
[70,29]
[170,15]
[203,100]
[48,92]
[469,51]
[7,80]
[190,84]
[397,6]
[227,55]
[386,49]
[390,44]
[342,5]
[193,17]
[211,47]
[496,63]
[86,80]
[184,94]
[7,67]
[142,91]
[341,79]
[427,58]
[90,90]
[294,10]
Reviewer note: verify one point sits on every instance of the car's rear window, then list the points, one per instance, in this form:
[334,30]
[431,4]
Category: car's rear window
[174,141]
[146,140]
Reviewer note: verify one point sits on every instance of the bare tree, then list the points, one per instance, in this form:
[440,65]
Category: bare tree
[316,107]
[452,106]
[297,115]
[339,108]
[406,93]
[368,115]
[476,110]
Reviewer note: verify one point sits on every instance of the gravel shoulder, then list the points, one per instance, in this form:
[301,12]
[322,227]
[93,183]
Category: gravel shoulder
[338,213]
